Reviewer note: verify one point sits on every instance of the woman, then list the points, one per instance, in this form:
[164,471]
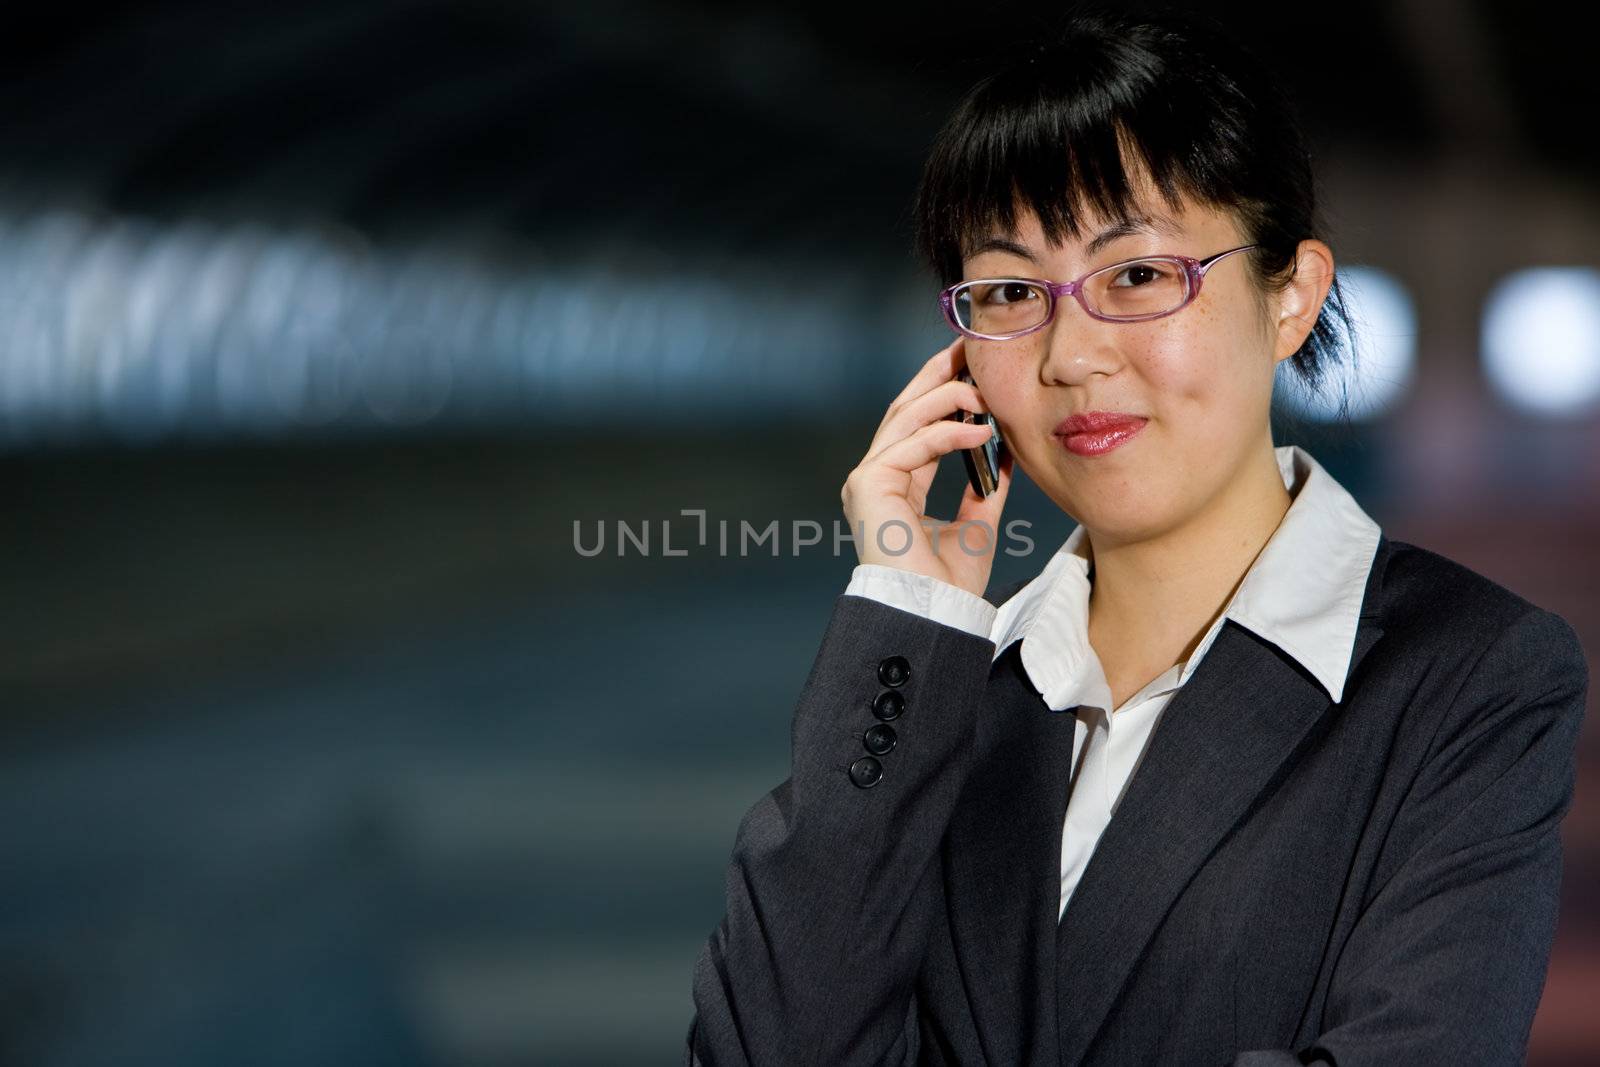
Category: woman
[1340,846]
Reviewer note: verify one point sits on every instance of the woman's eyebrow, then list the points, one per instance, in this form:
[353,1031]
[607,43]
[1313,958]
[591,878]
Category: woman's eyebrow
[1000,244]
[1129,226]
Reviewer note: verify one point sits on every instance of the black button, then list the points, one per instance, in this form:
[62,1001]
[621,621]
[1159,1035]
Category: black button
[866,772]
[894,671]
[879,739]
[889,705]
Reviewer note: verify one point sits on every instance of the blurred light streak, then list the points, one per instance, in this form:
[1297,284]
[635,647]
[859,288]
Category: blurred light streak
[141,330]
[1385,361]
[1541,340]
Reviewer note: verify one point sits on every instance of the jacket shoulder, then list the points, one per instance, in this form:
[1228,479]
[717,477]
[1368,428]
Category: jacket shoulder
[1429,601]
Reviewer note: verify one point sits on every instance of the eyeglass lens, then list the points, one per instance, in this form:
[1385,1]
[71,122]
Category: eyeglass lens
[1130,290]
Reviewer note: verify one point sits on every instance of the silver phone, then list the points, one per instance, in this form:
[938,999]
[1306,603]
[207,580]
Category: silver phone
[983,461]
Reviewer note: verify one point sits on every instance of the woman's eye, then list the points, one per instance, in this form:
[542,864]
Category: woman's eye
[1008,293]
[1138,274]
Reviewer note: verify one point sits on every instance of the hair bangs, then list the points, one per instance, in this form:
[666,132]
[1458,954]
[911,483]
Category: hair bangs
[1104,117]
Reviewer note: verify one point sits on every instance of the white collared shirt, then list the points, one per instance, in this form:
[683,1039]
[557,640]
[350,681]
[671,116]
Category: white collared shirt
[1303,593]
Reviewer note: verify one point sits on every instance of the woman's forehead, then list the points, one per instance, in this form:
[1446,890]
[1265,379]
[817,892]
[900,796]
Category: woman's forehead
[1096,229]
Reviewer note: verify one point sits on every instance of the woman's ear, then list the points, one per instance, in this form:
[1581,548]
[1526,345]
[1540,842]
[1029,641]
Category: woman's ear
[1300,303]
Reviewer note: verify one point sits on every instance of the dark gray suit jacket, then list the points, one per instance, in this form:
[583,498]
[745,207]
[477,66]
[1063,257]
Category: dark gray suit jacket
[1286,880]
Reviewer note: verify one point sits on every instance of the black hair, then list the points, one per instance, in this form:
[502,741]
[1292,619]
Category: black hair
[1054,127]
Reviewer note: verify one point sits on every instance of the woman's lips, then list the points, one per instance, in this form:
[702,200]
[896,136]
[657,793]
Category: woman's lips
[1097,433]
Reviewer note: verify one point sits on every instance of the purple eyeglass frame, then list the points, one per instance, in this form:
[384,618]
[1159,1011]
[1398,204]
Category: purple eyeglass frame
[1194,273]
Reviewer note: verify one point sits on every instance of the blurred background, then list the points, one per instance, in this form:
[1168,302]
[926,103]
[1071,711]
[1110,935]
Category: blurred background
[336,338]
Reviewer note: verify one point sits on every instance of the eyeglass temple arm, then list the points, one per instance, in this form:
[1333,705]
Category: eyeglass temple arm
[1206,264]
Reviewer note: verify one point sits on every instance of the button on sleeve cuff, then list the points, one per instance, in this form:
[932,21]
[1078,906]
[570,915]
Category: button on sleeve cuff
[922,595]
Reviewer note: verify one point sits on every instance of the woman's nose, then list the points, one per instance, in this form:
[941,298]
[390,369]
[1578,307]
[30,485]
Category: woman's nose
[1076,346]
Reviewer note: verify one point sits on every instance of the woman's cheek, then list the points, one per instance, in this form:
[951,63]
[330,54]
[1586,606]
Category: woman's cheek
[1177,366]
[1009,398]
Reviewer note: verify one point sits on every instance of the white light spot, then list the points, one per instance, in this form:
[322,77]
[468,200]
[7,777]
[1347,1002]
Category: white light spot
[1541,339]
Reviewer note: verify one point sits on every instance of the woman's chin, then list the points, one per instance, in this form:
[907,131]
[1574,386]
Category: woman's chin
[1118,520]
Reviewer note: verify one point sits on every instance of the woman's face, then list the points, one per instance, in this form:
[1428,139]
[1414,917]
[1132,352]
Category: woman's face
[1202,377]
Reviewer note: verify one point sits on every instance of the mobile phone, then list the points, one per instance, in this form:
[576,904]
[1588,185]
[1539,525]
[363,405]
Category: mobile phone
[983,462]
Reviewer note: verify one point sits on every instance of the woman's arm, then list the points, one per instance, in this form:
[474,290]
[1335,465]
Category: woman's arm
[1447,962]
[828,893]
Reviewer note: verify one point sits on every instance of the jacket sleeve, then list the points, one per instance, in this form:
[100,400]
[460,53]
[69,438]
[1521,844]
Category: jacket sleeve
[1447,961]
[830,895]
[923,595]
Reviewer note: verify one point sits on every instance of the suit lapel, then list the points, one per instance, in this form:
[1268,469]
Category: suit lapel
[1003,864]
[1221,741]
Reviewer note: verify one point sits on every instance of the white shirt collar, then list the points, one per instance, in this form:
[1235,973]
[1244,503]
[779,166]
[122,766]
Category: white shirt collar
[1303,592]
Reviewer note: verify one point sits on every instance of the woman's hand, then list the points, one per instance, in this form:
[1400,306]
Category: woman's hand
[885,496]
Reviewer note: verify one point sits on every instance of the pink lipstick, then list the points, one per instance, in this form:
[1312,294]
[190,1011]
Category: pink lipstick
[1094,433]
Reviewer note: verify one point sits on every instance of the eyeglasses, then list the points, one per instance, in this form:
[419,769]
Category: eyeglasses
[1135,290]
